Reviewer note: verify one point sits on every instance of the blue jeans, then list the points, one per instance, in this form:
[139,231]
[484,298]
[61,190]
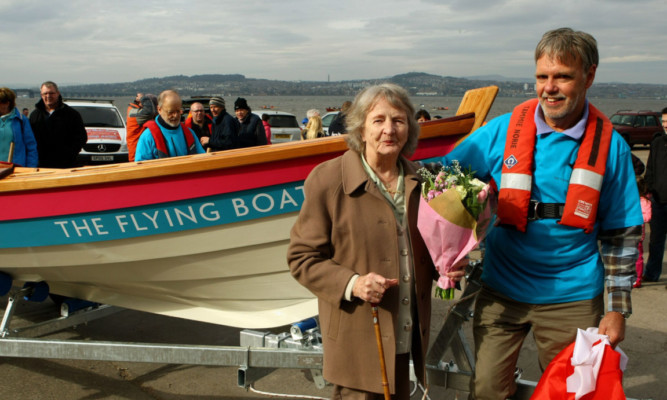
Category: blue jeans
[656,246]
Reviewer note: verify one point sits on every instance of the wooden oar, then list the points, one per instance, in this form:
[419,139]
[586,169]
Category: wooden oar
[383,364]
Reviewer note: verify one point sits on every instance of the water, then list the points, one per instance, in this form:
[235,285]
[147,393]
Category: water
[298,105]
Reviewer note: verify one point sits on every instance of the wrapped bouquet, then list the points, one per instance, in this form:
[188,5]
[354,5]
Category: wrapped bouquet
[454,211]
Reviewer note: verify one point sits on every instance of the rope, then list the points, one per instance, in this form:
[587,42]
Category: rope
[286,396]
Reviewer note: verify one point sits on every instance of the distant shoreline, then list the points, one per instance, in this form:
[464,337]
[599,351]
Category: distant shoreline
[417,83]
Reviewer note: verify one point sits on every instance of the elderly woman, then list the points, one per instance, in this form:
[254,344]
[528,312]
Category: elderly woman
[356,242]
[15,129]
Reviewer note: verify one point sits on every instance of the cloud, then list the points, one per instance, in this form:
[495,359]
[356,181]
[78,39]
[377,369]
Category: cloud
[92,42]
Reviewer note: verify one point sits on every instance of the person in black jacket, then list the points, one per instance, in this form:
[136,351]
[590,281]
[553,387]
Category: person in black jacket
[58,128]
[225,127]
[656,179]
[337,126]
[251,132]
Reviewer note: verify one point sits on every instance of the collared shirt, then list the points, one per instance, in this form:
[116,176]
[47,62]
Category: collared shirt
[618,251]
[523,266]
[397,201]
[575,132]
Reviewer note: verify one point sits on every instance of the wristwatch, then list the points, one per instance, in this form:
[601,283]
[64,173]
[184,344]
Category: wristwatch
[625,314]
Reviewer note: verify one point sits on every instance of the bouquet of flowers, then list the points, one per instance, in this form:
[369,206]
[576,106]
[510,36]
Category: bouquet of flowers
[454,211]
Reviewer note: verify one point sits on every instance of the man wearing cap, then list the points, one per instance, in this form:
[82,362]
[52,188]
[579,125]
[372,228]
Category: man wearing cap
[251,132]
[225,127]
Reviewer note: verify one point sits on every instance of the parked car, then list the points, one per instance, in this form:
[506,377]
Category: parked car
[327,119]
[284,126]
[106,131]
[637,127]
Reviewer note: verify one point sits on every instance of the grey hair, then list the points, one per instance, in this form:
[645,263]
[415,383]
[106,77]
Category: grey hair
[565,43]
[51,85]
[397,97]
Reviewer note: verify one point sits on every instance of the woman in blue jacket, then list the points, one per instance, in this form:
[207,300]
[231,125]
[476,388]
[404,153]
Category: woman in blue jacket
[15,128]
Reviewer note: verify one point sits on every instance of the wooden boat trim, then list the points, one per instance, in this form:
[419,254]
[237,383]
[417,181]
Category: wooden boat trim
[41,178]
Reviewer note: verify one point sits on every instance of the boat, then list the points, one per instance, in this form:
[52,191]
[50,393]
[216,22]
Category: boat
[201,237]
[332,109]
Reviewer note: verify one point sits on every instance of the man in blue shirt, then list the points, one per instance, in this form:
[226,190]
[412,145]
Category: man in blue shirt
[166,136]
[566,181]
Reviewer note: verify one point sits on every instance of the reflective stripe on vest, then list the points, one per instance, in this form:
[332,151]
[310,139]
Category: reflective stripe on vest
[583,193]
[586,178]
[161,146]
[516,181]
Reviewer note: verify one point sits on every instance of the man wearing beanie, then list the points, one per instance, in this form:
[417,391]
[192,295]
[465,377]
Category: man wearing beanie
[225,127]
[251,132]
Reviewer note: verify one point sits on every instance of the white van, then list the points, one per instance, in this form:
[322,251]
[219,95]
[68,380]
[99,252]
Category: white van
[106,131]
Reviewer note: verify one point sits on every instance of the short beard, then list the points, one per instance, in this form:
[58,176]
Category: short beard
[172,125]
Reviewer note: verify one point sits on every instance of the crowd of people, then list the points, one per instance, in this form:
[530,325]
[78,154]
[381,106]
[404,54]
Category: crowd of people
[54,133]
[556,245]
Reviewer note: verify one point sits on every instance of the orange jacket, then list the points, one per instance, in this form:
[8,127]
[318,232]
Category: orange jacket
[133,129]
[583,194]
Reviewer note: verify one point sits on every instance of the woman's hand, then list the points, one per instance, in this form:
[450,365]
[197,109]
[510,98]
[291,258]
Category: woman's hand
[458,270]
[371,287]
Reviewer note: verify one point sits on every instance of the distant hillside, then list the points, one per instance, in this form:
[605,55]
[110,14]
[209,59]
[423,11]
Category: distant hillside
[501,78]
[418,83]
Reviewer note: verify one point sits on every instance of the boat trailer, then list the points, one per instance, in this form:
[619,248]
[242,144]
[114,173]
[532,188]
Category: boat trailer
[258,354]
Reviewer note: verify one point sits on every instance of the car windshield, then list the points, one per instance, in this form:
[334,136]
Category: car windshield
[618,119]
[327,119]
[283,121]
[99,117]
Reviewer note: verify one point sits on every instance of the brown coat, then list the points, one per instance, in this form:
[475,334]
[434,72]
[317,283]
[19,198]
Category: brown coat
[345,227]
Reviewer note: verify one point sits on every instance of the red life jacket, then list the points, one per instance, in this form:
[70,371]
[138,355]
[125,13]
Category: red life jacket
[208,123]
[583,192]
[158,137]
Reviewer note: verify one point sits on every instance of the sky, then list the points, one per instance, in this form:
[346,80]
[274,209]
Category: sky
[91,41]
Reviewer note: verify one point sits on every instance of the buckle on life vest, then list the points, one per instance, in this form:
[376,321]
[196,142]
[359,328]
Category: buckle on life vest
[538,210]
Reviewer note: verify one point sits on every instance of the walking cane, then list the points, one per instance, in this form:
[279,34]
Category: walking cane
[383,364]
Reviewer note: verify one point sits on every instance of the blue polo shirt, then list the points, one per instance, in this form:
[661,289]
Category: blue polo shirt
[550,263]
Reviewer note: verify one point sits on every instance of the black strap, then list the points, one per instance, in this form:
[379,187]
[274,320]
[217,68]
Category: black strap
[538,210]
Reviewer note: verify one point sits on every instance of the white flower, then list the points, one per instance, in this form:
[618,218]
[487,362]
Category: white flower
[461,191]
[477,183]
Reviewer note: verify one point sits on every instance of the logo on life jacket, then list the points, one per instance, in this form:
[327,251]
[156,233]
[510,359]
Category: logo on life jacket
[583,209]
[510,161]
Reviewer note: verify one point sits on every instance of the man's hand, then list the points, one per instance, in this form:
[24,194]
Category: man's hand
[613,325]
[457,271]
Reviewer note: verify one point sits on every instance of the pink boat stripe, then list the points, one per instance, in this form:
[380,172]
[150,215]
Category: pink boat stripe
[126,194]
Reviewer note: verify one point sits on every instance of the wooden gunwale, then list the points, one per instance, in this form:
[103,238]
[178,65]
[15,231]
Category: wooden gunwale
[39,178]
